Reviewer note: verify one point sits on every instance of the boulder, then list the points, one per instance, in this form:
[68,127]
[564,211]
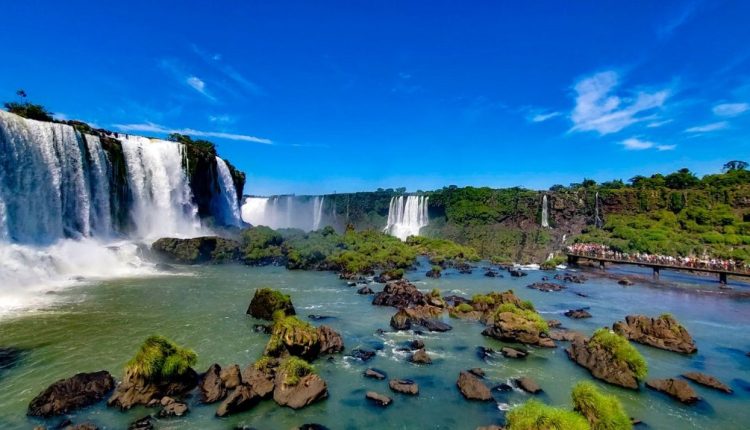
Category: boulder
[570,277]
[675,388]
[67,395]
[136,390]
[476,371]
[566,335]
[625,281]
[172,408]
[527,384]
[362,354]
[472,388]
[198,250]
[378,399]
[485,353]
[490,273]
[663,332]
[399,294]
[267,301]
[432,273]
[404,386]
[434,325]
[420,357]
[707,381]
[602,363]
[330,341]
[516,273]
[578,313]
[240,399]
[309,389]
[145,423]
[512,327]
[365,290]
[401,320]
[416,344]
[231,377]
[547,287]
[374,374]
[554,324]
[509,352]
[211,386]
[261,380]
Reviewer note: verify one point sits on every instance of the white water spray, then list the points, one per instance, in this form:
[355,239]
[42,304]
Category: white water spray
[304,213]
[545,212]
[406,216]
[228,209]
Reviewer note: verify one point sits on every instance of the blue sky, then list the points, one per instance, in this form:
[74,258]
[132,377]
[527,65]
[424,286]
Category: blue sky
[314,97]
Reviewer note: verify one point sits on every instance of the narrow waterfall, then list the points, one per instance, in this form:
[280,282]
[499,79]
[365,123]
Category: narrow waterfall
[302,212]
[597,219]
[406,216]
[228,210]
[545,212]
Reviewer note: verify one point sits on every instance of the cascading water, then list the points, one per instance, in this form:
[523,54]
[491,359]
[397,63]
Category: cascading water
[406,216]
[545,212]
[303,212]
[597,219]
[228,210]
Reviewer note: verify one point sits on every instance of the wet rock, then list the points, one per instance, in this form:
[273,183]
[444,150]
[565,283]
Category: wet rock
[365,290]
[602,363]
[420,357]
[503,387]
[145,423]
[267,301]
[198,250]
[362,354]
[472,388]
[490,273]
[554,324]
[401,320]
[374,374]
[432,273]
[708,381]
[578,313]
[310,389]
[527,384]
[416,344]
[478,372]
[172,408]
[231,376]
[399,294]
[404,386]
[136,390]
[566,335]
[663,332]
[262,328]
[570,277]
[378,399]
[547,287]
[67,395]
[485,353]
[329,340]
[509,352]
[389,275]
[455,300]
[211,386]
[625,281]
[516,273]
[434,325]
[314,317]
[675,388]
[512,327]
[261,380]
[240,399]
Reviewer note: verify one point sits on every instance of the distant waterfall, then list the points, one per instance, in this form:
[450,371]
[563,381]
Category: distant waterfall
[228,209]
[545,212]
[304,212]
[597,219]
[406,216]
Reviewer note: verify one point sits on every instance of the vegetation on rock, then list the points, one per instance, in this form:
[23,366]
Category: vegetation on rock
[294,368]
[535,415]
[528,314]
[621,349]
[603,412]
[161,359]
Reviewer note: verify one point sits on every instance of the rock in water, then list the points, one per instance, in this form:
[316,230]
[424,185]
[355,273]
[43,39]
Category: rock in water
[378,399]
[365,291]
[578,314]
[509,352]
[434,325]
[308,390]
[362,354]
[211,386]
[399,294]
[420,357]
[708,381]
[602,363]
[527,384]
[240,399]
[663,332]
[231,376]
[67,395]
[375,374]
[401,320]
[675,388]
[145,423]
[404,386]
[547,287]
[472,387]
[330,341]
[136,390]
[512,327]
[267,301]
[172,408]
[208,249]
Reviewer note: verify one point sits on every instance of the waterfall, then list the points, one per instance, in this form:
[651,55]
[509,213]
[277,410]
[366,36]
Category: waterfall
[545,212]
[304,212]
[406,216]
[228,210]
[597,220]
[162,199]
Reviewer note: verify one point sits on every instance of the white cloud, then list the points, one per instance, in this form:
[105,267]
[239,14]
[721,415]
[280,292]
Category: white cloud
[731,109]
[150,127]
[665,147]
[541,117]
[656,124]
[721,125]
[221,119]
[634,144]
[198,85]
[598,109]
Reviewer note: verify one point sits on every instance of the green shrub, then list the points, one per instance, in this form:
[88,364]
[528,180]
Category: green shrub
[289,331]
[604,412]
[159,358]
[294,368]
[30,111]
[535,415]
[529,314]
[464,307]
[622,350]
[483,298]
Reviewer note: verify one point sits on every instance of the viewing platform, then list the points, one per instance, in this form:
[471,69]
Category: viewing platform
[574,258]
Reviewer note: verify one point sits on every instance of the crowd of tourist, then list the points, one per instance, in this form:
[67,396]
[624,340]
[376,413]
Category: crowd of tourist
[603,251]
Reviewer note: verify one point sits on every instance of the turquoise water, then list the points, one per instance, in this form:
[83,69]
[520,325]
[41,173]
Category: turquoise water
[100,326]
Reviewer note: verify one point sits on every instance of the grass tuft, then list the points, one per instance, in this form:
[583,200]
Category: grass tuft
[161,359]
[604,412]
[535,415]
[622,350]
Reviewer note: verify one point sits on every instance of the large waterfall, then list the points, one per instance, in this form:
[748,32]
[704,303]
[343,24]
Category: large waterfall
[406,216]
[545,212]
[303,212]
[228,209]
[72,208]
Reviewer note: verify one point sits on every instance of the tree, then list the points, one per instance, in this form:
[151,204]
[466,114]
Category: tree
[21,93]
[734,165]
[681,179]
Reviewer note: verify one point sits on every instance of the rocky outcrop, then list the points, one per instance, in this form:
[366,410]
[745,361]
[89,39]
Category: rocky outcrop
[378,399]
[567,335]
[362,354]
[420,357]
[509,352]
[330,341]
[571,277]
[267,301]
[172,408]
[198,250]
[675,388]
[511,327]
[528,384]
[404,386]
[663,332]
[602,363]
[399,294]
[309,389]
[211,386]
[472,388]
[547,287]
[137,390]
[578,313]
[365,291]
[67,395]
[707,381]
[257,383]
[374,374]
[405,318]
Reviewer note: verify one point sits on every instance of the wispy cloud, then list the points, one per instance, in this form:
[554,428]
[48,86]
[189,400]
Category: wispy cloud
[665,147]
[149,127]
[635,144]
[215,60]
[598,109]
[221,119]
[656,124]
[678,20]
[175,70]
[731,109]
[541,117]
[714,126]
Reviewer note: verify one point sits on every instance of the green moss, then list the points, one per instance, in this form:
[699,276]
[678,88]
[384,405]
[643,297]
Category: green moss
[535,415]
[529,314]
[528,305]
[435,293]
[483,298]
[289,331]
[622,350]
[464,307]
[604,412]
[161,359]
[264,363]
[295,368]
